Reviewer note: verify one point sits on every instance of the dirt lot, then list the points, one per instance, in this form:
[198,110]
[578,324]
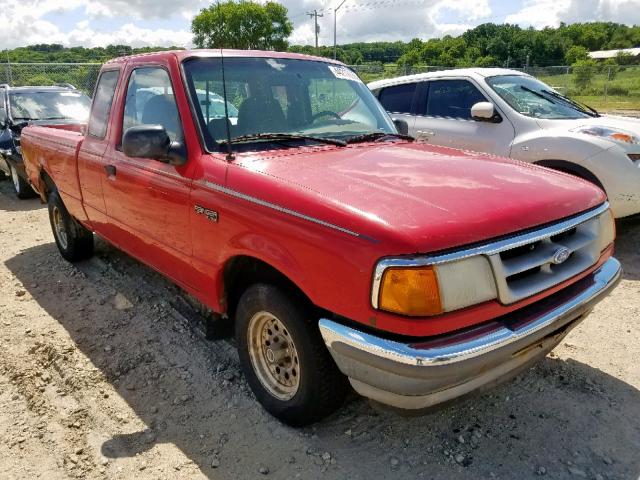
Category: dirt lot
[105,373]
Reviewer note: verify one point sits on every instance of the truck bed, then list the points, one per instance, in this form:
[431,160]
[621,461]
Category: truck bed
[54,149]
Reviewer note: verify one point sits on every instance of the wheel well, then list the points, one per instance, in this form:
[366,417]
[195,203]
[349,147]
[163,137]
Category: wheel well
[572,169]
[243,271]
[48,184]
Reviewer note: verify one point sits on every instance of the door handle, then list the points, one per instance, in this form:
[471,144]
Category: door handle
[110,170]
[422,132]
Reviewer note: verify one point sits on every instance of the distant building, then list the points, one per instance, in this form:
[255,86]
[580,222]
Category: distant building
[604,54]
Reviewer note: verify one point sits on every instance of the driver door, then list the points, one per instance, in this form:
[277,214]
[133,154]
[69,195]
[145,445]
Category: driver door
[444,118]
[147,200]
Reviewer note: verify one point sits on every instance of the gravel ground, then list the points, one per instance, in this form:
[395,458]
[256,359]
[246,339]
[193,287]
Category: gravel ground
[105,373]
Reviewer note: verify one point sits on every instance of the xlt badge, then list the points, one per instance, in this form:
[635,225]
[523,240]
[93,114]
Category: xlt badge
[210,214]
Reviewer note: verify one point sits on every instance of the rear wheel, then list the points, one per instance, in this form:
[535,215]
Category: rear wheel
[20,185]
[73,240]
[284,358]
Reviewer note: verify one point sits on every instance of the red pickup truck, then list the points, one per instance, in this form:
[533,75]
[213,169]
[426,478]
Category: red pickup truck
[275,189]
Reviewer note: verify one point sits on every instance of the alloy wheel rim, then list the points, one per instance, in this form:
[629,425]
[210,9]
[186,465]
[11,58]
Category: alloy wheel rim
[274,356]
[59,227]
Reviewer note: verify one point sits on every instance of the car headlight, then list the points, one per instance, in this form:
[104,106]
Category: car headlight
[613,134]
[607,229]
[420,291]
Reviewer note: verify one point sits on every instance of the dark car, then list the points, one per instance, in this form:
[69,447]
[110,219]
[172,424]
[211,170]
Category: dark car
[19,106]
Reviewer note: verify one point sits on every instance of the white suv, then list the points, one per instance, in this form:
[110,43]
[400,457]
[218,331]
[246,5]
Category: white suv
[511,114]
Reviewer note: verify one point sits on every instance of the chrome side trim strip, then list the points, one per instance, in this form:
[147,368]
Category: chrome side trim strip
[489,248]
[605,279]
[264,203]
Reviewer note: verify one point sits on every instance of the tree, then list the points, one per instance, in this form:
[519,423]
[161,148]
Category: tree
[583,72]
[576,53]
[243,25]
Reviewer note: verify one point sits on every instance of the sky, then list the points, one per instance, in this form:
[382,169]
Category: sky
[92,23]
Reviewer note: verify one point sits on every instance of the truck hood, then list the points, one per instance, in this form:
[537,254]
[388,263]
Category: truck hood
[425,197]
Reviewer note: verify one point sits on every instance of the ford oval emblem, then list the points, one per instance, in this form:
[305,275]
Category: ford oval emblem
[561,255]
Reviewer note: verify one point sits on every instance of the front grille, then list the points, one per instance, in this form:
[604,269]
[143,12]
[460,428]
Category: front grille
[530,268]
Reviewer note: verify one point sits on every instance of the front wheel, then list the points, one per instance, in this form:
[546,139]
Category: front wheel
[20,185]
[73,240]
[284,358]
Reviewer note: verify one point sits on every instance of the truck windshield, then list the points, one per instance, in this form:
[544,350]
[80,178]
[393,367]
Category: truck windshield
[533,98]
[281,96]
[51,105]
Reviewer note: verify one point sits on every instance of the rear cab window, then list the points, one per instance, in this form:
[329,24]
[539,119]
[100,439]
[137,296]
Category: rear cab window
[398,98]
[451,99]
[103,99]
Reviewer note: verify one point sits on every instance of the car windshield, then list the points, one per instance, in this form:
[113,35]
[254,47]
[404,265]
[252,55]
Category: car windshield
[533,98]
[49,105]
[298,98]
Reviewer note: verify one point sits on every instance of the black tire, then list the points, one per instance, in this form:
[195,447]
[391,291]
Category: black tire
[20,185]
[321,387]
[73,240]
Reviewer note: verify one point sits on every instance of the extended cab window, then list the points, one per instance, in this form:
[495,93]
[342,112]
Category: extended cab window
[102,103]
[150,101]
[452,98]
[398,99]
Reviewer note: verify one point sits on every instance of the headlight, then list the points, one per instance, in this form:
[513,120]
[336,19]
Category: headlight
[607,229]
[433,289]
[613,134]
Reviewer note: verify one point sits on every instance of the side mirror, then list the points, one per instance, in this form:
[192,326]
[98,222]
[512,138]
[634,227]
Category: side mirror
[484,112]
[152,141]
[401,125]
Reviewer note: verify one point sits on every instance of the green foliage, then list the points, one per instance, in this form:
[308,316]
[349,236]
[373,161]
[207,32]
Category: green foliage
[624,58]
[583,72]
[244,25]
[576,53]
[55,53]
[497,45]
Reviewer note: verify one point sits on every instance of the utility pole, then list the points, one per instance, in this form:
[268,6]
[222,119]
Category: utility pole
[335,25]
[315,16]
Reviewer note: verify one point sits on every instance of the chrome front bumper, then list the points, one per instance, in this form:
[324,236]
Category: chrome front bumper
[420,374]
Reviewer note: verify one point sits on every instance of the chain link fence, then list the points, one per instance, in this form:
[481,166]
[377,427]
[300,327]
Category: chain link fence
[604,87]
[81,75]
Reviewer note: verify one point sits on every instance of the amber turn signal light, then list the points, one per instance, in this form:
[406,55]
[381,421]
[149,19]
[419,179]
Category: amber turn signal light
[410,291]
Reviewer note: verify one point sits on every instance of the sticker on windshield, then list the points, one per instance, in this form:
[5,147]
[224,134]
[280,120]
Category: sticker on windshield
[344,73]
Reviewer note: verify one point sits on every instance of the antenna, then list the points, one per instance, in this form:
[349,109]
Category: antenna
[230,155]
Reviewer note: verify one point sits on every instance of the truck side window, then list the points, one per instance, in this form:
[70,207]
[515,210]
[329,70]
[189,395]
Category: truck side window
[452,99]
[398,99]
[101,108]
[150,101]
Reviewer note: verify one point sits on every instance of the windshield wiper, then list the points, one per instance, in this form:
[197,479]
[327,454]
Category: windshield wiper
[578,105]
[537,94]
[376,136]
[284,137]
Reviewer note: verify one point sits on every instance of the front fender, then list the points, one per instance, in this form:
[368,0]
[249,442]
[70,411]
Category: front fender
[559,145]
